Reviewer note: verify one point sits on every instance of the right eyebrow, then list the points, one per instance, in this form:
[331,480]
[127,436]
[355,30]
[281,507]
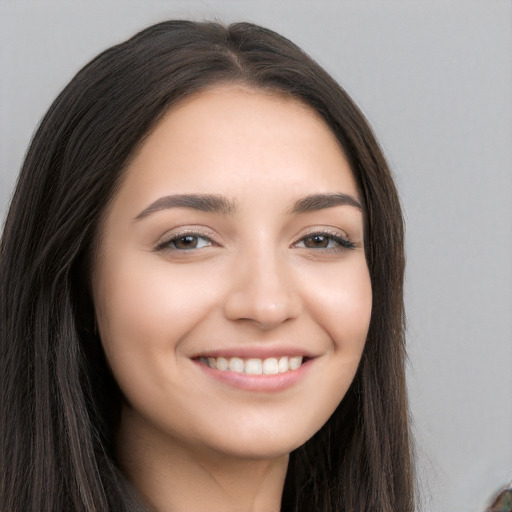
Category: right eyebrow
[315,202]
[201,202]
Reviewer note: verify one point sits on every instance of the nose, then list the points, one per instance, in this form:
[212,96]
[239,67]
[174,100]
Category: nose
[262,291]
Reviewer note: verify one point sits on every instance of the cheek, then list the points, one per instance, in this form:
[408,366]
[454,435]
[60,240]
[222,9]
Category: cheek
[342,307]
[144,310]
[341,303]
[143,295]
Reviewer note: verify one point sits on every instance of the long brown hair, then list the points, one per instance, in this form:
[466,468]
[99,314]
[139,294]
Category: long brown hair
[59,400]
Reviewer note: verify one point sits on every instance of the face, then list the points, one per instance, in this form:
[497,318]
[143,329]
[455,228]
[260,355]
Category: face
[231,287]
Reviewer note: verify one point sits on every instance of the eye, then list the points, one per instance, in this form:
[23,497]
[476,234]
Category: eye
[326,241]
[185,242]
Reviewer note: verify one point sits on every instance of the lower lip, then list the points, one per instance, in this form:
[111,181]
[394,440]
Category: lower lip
[262,382]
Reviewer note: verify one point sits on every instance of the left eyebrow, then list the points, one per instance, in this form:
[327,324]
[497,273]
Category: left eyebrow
[317,202]
[201,202]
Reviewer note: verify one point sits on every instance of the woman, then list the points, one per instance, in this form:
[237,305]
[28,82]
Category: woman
[202,289]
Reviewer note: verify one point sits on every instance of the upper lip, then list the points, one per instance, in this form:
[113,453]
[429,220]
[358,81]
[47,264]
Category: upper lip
[256,352]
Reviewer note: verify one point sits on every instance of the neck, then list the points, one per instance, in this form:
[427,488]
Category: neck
[175,477]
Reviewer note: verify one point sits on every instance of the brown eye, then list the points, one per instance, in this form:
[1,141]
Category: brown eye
[317,242]
[326,241]
[186,242]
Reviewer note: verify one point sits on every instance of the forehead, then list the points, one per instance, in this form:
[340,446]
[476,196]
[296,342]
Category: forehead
[235,137]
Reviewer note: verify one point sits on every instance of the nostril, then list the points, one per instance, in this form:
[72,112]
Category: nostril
[261,311]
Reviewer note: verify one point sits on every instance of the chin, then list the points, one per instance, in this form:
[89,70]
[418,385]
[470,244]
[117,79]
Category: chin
[263,445]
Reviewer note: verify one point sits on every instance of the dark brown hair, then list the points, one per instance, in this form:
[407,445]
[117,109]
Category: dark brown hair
[59,399]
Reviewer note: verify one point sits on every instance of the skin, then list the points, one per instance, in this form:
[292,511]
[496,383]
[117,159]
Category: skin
[251,279]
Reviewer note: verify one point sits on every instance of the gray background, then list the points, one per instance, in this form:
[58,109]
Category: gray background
[435,80]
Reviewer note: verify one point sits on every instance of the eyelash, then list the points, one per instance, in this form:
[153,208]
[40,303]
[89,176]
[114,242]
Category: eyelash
[341,243]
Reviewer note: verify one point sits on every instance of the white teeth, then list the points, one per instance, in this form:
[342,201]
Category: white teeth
[270,366]
[282,365]
[222,363]
[254,366]
[236,364]
[295,362]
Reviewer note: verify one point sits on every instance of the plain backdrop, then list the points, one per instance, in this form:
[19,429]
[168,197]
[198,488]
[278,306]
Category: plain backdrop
[435,80]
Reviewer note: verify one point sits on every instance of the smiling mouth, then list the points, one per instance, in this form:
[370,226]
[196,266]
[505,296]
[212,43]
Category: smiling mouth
[255,366]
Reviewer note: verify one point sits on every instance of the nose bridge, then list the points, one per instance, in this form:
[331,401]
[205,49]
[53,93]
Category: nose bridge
[263,288]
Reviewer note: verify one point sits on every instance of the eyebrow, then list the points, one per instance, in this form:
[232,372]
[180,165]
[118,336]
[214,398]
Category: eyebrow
[317,202]
[202,202]
[220,204]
